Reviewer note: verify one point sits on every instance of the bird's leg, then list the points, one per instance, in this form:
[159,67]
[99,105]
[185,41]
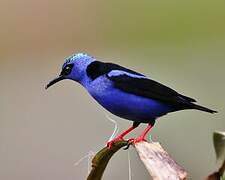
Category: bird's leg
[142,136]
[121,136]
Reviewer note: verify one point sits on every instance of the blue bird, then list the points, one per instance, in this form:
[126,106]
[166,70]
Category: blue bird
[124,92]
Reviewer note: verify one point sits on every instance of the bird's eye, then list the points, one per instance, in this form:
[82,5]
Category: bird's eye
[67,70]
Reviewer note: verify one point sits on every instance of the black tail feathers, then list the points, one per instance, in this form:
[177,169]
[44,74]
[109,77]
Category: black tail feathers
[201,108]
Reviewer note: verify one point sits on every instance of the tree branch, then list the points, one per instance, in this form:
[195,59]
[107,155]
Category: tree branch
[157,161]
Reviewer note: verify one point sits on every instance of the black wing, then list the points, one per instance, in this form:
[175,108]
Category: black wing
[132,82]
[97,68]
[150,89]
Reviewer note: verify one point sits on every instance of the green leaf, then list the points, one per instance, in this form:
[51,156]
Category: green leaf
[219,145]
[101,159]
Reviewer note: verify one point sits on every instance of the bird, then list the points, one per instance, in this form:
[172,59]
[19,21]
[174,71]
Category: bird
[125,92]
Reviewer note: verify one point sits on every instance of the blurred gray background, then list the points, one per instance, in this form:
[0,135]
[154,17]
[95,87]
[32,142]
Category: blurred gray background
[43,133]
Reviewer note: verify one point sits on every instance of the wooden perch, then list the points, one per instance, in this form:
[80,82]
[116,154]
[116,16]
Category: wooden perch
[157,161]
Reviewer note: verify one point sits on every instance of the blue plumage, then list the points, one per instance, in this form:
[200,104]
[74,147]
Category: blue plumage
[123,104]
[124,92]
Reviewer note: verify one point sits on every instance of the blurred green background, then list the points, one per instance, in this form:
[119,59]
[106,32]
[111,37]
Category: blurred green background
[43,133]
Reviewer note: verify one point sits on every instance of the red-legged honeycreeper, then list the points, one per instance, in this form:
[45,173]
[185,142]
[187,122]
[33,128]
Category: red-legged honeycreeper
[124,92]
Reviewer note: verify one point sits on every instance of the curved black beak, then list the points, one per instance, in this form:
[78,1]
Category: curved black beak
[59,78]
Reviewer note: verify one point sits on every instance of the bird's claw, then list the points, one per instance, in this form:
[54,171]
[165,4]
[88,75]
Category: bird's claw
[133,141]
[129,142]
[110,143]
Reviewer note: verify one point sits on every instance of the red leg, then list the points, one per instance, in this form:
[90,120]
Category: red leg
[120,137]
[142,136]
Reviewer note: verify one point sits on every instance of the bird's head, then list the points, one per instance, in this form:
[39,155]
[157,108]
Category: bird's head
[73,68]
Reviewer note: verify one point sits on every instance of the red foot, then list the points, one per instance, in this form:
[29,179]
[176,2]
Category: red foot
[136,140]
[142,136]
[110,143]
[130,141]
[133,141]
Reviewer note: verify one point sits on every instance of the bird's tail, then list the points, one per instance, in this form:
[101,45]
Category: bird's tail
[201,108]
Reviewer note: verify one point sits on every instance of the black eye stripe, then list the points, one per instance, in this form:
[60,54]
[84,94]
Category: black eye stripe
[67,70]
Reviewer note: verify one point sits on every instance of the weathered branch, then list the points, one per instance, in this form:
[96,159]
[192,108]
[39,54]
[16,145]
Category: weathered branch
[158,162]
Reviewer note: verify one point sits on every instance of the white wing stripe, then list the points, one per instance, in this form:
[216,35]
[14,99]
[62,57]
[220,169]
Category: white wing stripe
[114,73]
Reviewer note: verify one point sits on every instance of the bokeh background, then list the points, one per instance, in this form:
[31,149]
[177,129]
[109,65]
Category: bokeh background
[43,133]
